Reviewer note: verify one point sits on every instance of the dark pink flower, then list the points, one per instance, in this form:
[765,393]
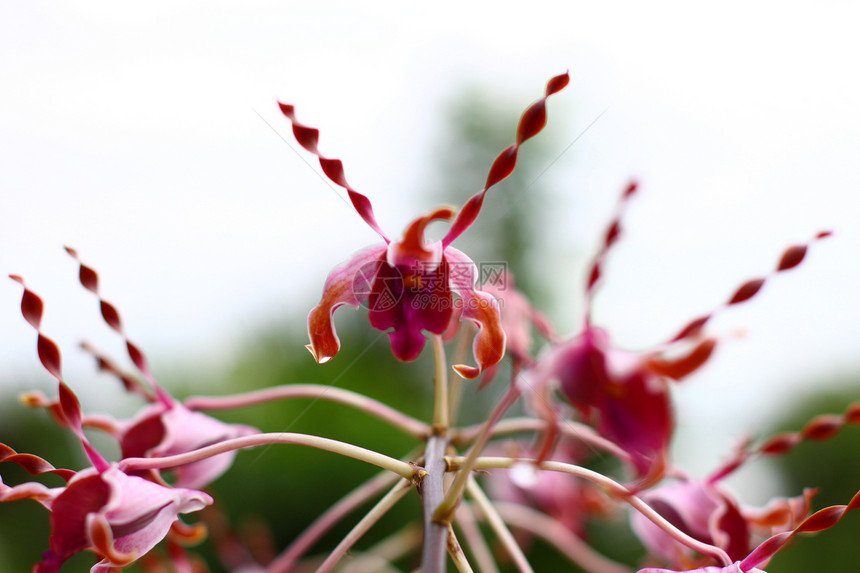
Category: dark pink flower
[733,568]
[408,284]
[166,427]
[165,430]
[116,516]
[706,511]
[101,509]
[625,394]
[702,510]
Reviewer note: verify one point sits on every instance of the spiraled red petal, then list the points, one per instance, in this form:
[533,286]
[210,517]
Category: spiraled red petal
[746,291]
[792,257]
[531,123]
[308,138]
[683,366]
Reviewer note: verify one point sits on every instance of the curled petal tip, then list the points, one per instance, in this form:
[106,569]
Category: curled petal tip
[466,371]
[286,109]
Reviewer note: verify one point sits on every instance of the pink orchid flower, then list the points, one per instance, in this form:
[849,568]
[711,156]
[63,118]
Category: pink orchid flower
[408,284]
[519,318]
[733,568]
[702,510]
[626,394]
[705,510]
[819,521]
[101,509]
[166,427]
[117,516]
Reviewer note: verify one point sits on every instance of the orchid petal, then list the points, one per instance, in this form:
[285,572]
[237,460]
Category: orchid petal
[482,309]
[158,431]
[412,251]
[29,490]
[531,123]
[733,568]
[308,137]
[409,301]
[185,431]
[339,289]
[141,512]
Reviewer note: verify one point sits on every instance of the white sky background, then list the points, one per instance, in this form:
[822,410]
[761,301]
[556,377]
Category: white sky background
[131,133]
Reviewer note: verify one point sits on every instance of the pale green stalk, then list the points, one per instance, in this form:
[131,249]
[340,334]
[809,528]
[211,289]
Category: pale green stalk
[372,516]
[504,534]
[403,469]
[361,402]
[456,553]
[614,489]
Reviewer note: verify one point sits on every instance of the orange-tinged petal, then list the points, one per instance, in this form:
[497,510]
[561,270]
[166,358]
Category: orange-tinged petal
[482,309]
[349,283]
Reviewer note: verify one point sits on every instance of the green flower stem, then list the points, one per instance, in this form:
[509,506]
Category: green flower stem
[501,530]
[456,553]
[569,428]
[440,384]
[286,561]
[372,516]
[474,539]
[564,540]
[461,352]
[403,469]
[612,488]
[380,556]
[398,419]
[445,511]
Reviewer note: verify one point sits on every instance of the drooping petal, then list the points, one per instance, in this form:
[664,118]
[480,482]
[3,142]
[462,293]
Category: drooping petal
[699,509]
[141,512]
[158,431]
[482,309]
[733,568]
[186,431]
[86,493]
[349,283]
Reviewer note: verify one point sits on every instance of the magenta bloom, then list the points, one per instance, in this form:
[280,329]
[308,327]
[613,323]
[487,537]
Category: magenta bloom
[625,394]
[733,568]
[702,510]
[706,511]
[408,285]
[166,427]
[116,516]
[101,509]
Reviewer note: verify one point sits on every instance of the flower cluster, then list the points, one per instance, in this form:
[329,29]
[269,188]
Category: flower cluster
[581,395]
